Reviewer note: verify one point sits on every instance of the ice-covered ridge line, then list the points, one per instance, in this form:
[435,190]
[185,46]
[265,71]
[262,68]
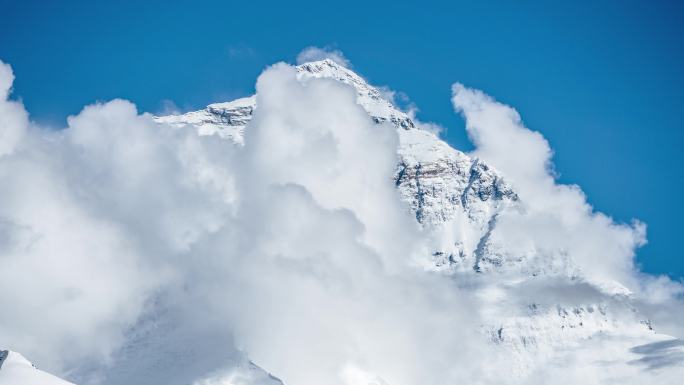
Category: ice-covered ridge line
[229,119]
[245,373]
[369,97]
[15,369]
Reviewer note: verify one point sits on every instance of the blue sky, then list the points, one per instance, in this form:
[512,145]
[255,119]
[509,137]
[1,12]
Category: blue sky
[601,80]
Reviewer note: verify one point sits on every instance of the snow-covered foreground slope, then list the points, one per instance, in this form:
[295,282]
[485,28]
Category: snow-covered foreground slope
[17,370]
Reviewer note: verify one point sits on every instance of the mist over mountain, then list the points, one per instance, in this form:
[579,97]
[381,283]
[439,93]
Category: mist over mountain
[314,233]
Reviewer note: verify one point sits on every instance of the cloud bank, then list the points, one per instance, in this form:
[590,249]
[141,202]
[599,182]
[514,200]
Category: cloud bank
[291,243]
[294,249]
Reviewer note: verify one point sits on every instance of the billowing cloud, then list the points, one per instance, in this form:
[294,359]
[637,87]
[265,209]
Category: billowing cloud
[295,246]
[555,222]
[316,53]
[555,218]
[13,117]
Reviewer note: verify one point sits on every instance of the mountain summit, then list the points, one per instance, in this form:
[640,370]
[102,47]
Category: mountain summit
[457,199]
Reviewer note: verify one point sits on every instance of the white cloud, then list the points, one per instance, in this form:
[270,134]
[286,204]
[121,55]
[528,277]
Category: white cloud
[556,219]
[295,239]
[71,266]
[176,249]
[13,118]
[94,219]
[316,53]
[332,246]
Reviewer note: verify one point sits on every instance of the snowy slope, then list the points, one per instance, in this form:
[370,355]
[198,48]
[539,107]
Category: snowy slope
[173,350]
[244,373]
[17,370]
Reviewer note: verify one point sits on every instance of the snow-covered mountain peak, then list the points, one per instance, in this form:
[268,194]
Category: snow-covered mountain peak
[229,119]
[436,180]
[369,97]
[457,200]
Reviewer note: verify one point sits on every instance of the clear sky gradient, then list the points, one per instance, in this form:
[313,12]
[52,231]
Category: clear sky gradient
[602,80]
